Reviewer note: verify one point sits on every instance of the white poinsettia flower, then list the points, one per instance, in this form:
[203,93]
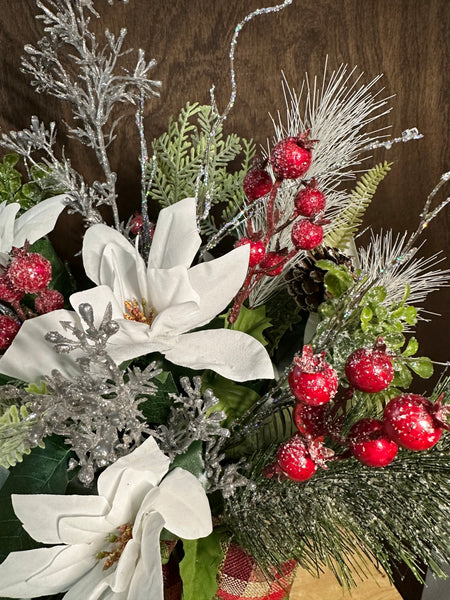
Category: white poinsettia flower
[32,225]
[156,305]
[136,499]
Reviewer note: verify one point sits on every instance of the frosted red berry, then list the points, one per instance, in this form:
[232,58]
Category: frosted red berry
[294,460]
[369,370]
[408,420]
[9,328]
[310,420]
[306,235]
[257,183]
[370,445]
[273,263]
[309,202]
[257,250]
[312,380]
[30,272]
[48,301]
[291,157]
[136,224]
[9,293]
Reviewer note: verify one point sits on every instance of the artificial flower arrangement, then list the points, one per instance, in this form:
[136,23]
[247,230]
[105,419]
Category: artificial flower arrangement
[228,414]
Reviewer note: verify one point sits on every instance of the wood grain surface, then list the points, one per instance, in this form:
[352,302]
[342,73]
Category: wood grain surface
[407,40]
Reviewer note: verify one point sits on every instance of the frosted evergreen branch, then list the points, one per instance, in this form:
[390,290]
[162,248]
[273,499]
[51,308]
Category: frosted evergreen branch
[59,175]
[92,88]
[16,424]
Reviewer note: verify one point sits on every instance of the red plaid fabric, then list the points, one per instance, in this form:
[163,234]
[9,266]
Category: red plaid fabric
[240,578]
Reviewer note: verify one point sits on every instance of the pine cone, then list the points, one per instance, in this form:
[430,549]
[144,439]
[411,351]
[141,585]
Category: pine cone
[305,281]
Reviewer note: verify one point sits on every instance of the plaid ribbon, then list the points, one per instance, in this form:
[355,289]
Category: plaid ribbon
[240,578]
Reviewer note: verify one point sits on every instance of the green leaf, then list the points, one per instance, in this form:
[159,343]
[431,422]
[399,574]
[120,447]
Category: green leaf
[375,296]
[338,280]
[11,160]
[156,408]
[252,321]
[200,565]
[402,376]
[422,366]
[234,399]
[191,460]
[43,471]
[411,348]
[410,315]
[394,340]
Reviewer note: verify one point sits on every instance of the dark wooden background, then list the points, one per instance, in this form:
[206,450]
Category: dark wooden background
[407,40]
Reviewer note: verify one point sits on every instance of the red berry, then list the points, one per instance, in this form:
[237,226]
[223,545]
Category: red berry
[9,328]
[48,301]
[270,261]
[294,460]
[312,380]
[257,250]
[291,157]
[136,224]
[9,293]
[257,183]
[408,420]
[310,201]
[310,420]
[370,445]
[30,272]
[306,235]
[369,370]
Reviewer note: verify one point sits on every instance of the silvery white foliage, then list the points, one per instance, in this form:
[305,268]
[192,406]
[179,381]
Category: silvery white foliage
[193,418]
[388,262]
[69,63]
[97,411]
[59,173]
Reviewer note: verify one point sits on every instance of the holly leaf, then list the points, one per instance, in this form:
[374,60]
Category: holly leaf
[234,399]
[252,321]
[200,565]
[156,408]
[43,471]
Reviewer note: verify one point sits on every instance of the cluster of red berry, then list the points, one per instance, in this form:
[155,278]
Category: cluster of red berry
[409,421]
[26,273]
[290,159]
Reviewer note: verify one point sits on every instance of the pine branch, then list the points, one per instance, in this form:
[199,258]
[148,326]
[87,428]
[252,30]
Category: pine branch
[349,220]
[400,512]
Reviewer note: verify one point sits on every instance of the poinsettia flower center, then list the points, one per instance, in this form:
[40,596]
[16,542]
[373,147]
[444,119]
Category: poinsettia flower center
[118,543]
[141,312]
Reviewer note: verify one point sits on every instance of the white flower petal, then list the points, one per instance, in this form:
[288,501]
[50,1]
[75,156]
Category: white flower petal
[53,519]
[7,216]
[98,297]
[171,287]
[147,582]
[96,240]
[119,580]
[126,482]
[38,220]
[44,571]
[183,504]
[233,354]
[217,282]
[176,239]
[41,356]
[91,586]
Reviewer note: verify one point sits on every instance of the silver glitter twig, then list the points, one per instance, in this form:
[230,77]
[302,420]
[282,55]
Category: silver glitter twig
[203,211]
